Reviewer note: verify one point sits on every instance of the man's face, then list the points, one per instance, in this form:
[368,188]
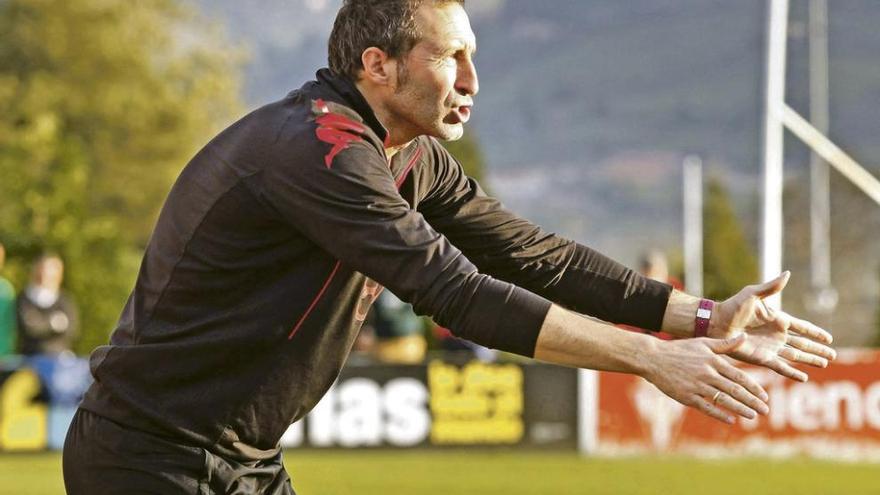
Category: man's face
[437,78]
[50,273]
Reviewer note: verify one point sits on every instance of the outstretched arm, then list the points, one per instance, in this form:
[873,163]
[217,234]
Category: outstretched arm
[578,278]
[690,371]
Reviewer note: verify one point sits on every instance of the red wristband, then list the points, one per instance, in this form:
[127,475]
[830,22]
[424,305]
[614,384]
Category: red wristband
[704,313]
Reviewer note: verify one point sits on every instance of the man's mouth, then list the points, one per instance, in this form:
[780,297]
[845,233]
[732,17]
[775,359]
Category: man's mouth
[461,114]
[465,112]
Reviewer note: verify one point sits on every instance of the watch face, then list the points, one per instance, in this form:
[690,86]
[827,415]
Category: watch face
[703,313]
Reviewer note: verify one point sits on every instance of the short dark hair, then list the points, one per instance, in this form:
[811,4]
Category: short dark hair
[386,24]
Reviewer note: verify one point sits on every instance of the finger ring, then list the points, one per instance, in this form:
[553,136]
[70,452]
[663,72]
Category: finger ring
[716,396]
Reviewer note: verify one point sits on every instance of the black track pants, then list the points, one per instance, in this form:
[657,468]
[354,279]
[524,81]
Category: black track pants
[104,457]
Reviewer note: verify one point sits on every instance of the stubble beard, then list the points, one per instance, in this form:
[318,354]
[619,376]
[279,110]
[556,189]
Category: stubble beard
[436,127]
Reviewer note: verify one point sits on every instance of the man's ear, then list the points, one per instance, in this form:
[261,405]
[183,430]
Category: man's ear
[379,68]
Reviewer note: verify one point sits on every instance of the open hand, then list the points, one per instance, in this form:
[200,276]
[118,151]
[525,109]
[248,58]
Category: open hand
[774,339]
[693,372]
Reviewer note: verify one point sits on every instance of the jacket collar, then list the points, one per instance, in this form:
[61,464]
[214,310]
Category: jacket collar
[353,98]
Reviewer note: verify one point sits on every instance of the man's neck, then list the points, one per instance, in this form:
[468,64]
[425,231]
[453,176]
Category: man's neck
[395,141]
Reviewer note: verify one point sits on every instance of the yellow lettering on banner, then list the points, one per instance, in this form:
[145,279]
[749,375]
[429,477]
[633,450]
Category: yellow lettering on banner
[509,402]
[442,378]
[480,403]
[461,405]
[486,432]
[22,423]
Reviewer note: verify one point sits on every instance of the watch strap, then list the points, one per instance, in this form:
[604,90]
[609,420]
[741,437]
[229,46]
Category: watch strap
[704,314]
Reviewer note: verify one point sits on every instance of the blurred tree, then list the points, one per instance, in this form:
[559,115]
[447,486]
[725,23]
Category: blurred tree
[103,102]
[729,263]
[467,151]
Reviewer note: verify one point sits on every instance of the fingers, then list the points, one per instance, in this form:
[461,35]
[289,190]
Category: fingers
[722,400]
[773,286]
[744,388]
[811,348]
[809,330]
[798,356]
[733,390]
[704,406]
[735,382]
[730,403]
[781,367]
[739,392]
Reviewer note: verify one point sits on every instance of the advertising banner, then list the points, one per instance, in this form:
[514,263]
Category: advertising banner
[440,404]
[38,397]
[474,404]
[836,414]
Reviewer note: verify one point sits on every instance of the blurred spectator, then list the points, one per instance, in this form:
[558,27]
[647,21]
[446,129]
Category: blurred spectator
[7,311]
[47,319]
[653,265]
[399,332]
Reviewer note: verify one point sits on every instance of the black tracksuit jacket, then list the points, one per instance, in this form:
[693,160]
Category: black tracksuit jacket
[276,239]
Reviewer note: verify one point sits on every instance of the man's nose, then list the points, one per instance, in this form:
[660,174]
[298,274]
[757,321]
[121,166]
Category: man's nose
[467,82]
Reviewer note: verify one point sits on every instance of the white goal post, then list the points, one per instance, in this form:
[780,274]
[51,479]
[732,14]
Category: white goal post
[778,117]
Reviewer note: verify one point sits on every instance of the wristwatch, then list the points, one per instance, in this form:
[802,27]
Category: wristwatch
[704,313]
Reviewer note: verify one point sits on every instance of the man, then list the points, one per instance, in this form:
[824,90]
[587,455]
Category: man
[399,332]
[48,320]
[283,230]
[7,311]
[653,264]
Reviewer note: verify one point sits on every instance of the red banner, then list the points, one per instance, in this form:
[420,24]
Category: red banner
[834,415]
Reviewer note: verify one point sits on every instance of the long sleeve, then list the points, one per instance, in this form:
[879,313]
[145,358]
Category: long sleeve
[345,200]
[510,248]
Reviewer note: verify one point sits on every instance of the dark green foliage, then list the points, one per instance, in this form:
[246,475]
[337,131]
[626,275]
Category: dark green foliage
[729,263]
[102,103]
[467,151]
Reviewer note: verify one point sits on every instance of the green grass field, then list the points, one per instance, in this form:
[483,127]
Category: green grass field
[511,473]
